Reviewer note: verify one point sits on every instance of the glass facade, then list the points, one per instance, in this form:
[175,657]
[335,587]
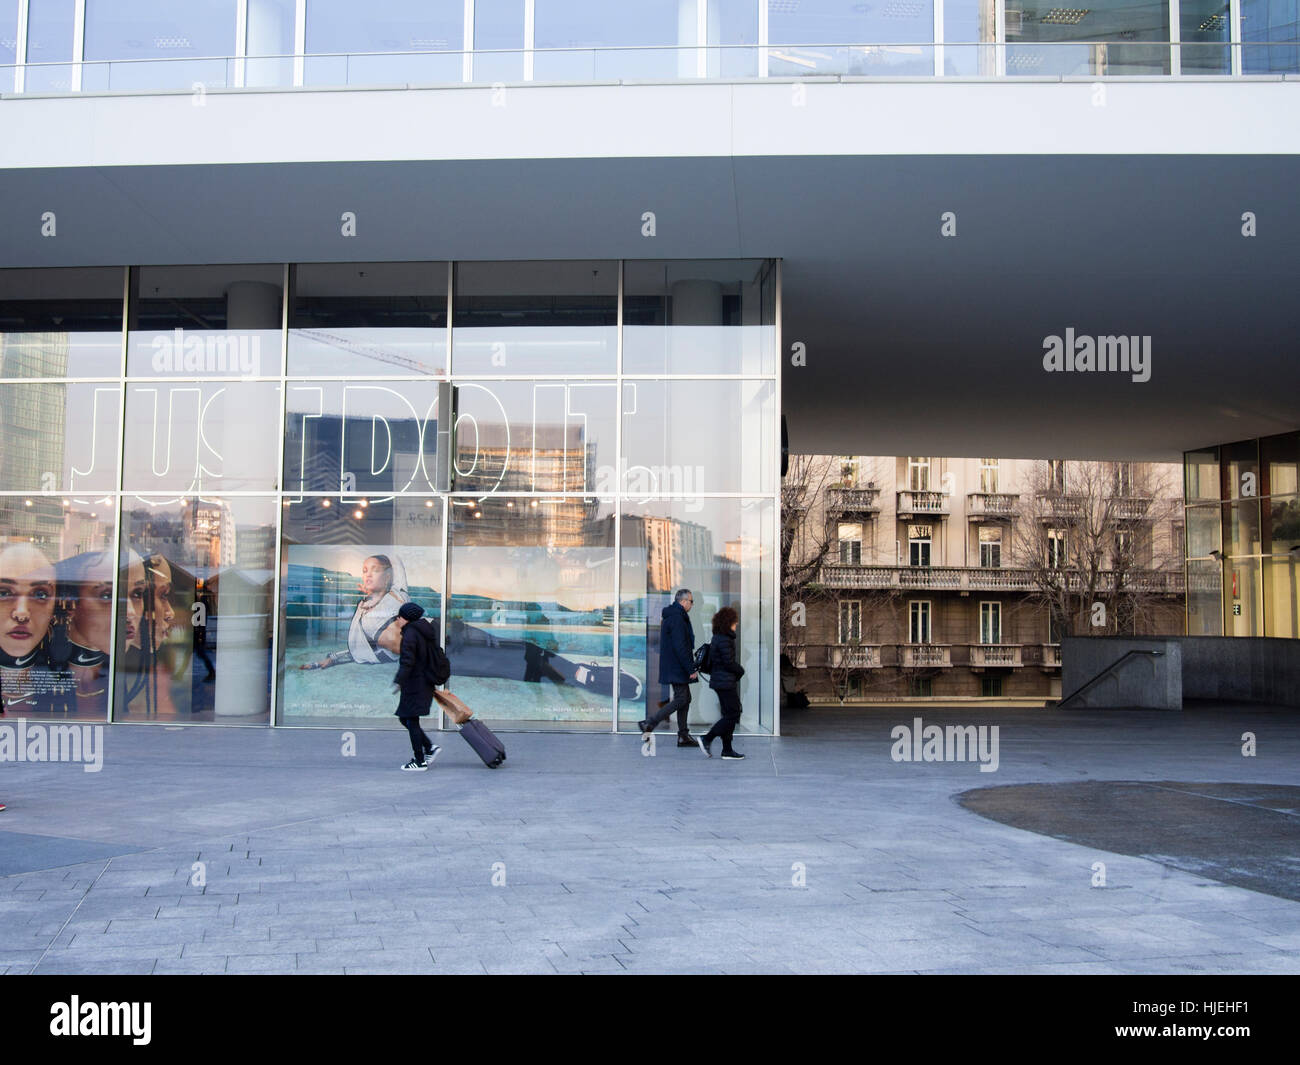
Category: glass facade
[65,46]
[1243,538]
[219,483]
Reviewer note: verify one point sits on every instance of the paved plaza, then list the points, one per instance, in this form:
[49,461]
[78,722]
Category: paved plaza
[239,850]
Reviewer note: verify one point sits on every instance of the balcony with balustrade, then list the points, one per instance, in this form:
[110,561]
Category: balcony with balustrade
[853,656]
[1056,507]
[1132,508]
[845,501]
[992,506]
[995,656]
[926,655]
[913,504]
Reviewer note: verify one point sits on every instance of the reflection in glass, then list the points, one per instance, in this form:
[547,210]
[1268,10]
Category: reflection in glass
[1201,474]
[205,321]
[797,30]
[1280,459]
[967,23]
[347,570]
[181,37]
[368,319]
[384,26]
[721,549]
[534,436]
[1205,33]
[1240,466]
[1204,526]
[56,599]
[49,40]
[195,589]
[201,437]
[57,437]
[685,437]
[1284,524]
[1241,599]
[716,311]
[1282,597]
[530,617]
[61,323]
[1042,40]
[1205,598]
[535,318]
[1241,530]
[1276,22]
[370,439]
[588,24]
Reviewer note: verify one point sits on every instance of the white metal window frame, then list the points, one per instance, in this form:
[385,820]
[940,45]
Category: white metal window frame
[990,620]
[919,621]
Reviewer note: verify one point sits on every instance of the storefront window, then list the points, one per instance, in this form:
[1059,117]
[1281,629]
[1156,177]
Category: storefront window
[368,320]
[498,40]
[1119,37]
[721,549]
[797,30]
[530,611]
[346,570]
[49,45]
[696,318]
[518,319]
[56,606]
[59,437]
[60,323]
[195,589]
[581,27]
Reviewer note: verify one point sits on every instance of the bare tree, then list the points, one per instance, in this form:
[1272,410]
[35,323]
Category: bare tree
[1093,541]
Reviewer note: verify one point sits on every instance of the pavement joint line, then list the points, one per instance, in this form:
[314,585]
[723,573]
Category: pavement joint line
[70,916]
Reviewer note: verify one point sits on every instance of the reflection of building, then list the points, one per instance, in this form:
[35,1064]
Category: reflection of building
[33,413]
[209,534]
[674,549]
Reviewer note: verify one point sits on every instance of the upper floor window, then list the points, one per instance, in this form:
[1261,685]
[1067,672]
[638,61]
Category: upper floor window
[918,474]
[850,543]
[1056,549]
[1056,475]
[988,475]
[848,472]
[990,548]
[1123,480]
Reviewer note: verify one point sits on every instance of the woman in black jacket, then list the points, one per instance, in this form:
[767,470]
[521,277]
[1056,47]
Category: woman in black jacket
[725,671]
[412,680]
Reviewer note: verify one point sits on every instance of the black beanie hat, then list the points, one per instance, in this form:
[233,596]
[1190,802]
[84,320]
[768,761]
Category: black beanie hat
[410,611]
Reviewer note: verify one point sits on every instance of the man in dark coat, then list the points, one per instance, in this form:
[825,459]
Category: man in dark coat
[413,681]
[676,667]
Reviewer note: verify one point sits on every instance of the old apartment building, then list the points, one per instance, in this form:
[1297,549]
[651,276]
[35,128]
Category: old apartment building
[915,577]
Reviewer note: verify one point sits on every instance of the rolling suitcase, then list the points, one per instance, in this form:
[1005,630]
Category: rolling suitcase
[484,742]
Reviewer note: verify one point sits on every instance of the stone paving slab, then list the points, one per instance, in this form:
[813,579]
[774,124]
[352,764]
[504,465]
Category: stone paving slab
[816,854]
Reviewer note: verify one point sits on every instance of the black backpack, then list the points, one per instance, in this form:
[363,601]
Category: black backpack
[703,659]
[437,667]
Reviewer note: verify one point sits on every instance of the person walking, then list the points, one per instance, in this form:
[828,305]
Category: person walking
[724,673]
[676,667]
[413,681]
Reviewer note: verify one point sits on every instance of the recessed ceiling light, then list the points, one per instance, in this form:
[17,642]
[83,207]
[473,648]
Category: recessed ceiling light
[1065,16]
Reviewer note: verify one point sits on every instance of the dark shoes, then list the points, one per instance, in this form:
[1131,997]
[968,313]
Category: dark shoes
[732,756]
[685,739]
[704,746]
[415,767]
[646,728]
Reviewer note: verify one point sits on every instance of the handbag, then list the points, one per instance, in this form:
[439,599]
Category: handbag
[453,707]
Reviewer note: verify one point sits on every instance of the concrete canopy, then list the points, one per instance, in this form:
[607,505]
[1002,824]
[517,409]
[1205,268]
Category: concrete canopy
[915,342]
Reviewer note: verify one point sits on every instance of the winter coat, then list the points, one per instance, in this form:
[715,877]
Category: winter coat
[726,671]
[676,646]
[414,666]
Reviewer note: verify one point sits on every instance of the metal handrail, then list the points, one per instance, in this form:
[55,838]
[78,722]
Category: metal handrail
[1105,672]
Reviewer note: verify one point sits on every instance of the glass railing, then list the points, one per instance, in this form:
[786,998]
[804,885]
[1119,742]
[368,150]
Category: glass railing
[925,59]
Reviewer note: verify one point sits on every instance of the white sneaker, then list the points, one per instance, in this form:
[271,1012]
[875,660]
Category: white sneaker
[415,767]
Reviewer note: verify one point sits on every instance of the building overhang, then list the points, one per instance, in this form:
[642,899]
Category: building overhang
[1108,209]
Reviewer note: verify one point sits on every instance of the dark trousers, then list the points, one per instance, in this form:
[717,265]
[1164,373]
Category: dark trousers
[420,743]
[680,704]
[729,702]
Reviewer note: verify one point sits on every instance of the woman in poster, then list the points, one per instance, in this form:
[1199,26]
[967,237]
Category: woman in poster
[27,596]
[150,617]
[373,636]
[86,603]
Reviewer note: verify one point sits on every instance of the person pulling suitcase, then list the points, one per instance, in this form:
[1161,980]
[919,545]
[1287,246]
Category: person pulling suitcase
[415,681]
